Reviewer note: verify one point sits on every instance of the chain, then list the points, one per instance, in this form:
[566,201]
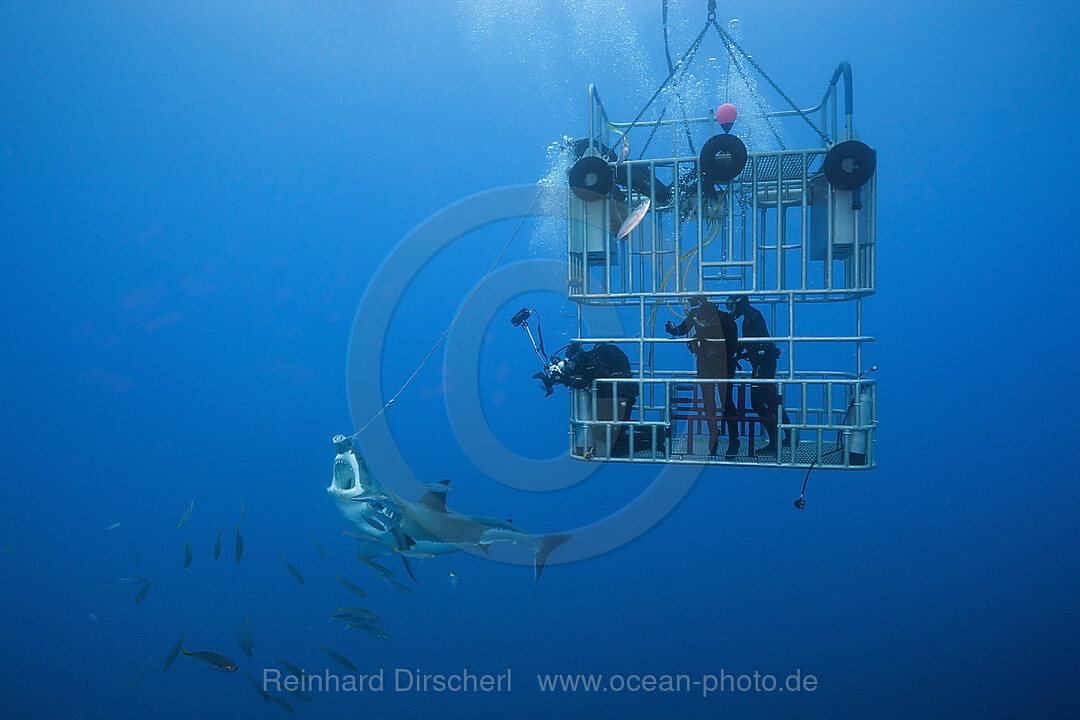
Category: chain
[678,67]
[728,39]
[761,106]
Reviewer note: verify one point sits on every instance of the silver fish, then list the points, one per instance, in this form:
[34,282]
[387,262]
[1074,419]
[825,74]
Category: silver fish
[243,645]
[145,589]
[318,546]
[283,704]
[173,653]
[360,611]
[186,516]
[633,220]
[293,670]
[338,658]
[246,633]
[239,545]
[293,571]
[219,662]
[361,536]
[355,588]
[300,694]
[405,589]
[258,688]
[139,674]
[381,569]
[374,630]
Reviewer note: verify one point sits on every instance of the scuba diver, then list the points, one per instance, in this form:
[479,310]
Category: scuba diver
[715,346]
[580,369]
[762,356]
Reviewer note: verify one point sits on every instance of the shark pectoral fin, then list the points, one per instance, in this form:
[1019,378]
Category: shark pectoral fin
[408,569]
[547,544]
[434,500]
[402,542]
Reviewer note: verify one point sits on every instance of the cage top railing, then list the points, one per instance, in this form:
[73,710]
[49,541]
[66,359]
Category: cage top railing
[763,296]
[827,107]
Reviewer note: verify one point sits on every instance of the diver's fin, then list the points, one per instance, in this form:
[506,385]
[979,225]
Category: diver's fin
[547,544]
[433,500]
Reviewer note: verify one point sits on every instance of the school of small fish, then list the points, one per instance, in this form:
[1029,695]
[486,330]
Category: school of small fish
[349,617]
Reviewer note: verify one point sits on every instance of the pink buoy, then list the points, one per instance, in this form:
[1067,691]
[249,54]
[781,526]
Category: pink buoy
[725,115]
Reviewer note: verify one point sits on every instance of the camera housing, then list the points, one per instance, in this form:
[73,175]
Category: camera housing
[552,375]
[520,316]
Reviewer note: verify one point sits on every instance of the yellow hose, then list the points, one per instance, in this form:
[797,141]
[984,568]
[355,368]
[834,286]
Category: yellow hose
[711,231]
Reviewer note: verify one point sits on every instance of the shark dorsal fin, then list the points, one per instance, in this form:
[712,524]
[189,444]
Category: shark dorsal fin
[436,499]
[433,500]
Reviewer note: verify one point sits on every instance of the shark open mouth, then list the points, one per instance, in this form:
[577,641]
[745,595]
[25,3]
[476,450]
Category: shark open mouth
[345,474]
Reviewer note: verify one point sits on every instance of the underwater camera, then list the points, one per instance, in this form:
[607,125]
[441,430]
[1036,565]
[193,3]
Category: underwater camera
[521,317]
[554,374]
[554,368]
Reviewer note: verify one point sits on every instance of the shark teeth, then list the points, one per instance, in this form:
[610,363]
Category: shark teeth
[344,475]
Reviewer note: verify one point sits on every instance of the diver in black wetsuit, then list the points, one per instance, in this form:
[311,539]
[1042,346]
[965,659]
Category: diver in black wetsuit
[762,357]
[715,345]
[604,360]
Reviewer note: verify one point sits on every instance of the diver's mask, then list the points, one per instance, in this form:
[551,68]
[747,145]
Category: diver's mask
[737,305]
[694,302]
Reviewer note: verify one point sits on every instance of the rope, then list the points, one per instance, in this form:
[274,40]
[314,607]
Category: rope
[680,70]
[453,322]
[667,53]
[671,69]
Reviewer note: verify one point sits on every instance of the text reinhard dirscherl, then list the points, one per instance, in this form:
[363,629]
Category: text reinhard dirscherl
[467,681]
[401,680]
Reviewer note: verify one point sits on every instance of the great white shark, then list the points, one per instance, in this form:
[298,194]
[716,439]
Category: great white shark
[392,525]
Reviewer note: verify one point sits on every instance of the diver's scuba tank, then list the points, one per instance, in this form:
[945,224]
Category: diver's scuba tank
[583,402]
[858,440]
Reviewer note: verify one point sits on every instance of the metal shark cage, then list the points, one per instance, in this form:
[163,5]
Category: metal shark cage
[793,230]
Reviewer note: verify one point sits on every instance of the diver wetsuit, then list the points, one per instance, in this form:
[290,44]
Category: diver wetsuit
[715,345]
[604,360]
[762,357]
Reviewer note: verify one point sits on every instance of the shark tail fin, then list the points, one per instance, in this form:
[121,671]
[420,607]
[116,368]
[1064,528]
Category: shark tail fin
[547,544]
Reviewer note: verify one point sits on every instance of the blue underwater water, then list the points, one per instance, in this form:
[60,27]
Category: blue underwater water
[194,198]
